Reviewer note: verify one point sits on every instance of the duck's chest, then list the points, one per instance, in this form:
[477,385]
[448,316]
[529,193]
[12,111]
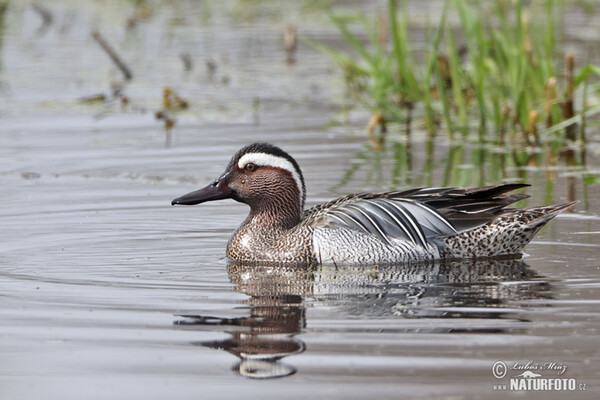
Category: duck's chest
[250,243]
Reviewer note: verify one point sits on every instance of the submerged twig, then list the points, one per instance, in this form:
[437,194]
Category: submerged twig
[256,110]
[113,55]
[290,42]
[186,59]
[45,14]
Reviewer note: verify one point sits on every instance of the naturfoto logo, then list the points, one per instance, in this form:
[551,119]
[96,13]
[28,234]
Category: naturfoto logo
[534,376]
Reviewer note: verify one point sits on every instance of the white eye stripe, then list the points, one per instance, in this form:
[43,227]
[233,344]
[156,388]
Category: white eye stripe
[269,160]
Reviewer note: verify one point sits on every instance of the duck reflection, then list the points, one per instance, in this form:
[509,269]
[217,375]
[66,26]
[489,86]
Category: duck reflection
[261,339]
[277,314]
[484,289]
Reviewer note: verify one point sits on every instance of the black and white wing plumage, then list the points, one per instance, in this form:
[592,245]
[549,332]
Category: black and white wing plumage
[416,215]
[389,218]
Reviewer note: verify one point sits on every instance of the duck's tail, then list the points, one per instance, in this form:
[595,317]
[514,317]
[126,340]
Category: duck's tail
[505,235]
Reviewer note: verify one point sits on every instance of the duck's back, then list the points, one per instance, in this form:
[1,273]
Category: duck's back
[424,224]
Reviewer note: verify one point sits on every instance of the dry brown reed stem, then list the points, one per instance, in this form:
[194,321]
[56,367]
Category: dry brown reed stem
[505,118]
[568,157]
[527,46]
[568,108]
[382,31]
[377,120]
[533,119]
[550,160]
[409,113]
[256,110]
[113,55]
[518,126]
[290,42]
[444,66]
[583,125]
[551,99]
[570,75]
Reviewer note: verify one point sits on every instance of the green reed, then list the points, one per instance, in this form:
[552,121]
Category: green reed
[499,67]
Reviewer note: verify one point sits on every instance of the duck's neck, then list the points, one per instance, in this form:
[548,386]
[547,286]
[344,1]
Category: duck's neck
[275,214]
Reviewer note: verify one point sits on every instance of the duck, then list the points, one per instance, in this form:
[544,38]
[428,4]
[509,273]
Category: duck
[394,227]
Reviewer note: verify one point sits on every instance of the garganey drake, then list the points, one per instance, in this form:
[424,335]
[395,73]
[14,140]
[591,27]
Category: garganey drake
[414,225]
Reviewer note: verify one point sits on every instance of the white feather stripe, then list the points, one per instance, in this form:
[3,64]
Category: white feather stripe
[338,218]
[398,223]
[270,160]
[410,218]
[351,218]
[374,223]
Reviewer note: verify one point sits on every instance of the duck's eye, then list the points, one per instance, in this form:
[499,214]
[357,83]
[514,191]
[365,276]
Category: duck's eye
[250,167]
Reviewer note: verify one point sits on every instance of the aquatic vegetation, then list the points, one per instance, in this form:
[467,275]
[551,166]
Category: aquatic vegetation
[500,71]
[556,169]
[171,104]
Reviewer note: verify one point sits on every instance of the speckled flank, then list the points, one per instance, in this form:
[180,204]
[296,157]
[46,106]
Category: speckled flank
[505,235]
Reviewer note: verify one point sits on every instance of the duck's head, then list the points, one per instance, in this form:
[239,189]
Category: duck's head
[260,175]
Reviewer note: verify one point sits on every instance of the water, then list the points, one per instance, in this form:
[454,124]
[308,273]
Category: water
[109,292]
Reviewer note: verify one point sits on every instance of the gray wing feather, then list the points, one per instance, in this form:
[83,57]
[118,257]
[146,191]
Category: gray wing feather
[416,215]
[432,222]
[360,219]
[344,219]
[408,221]
[387,219]
[393,225]
[372,220]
